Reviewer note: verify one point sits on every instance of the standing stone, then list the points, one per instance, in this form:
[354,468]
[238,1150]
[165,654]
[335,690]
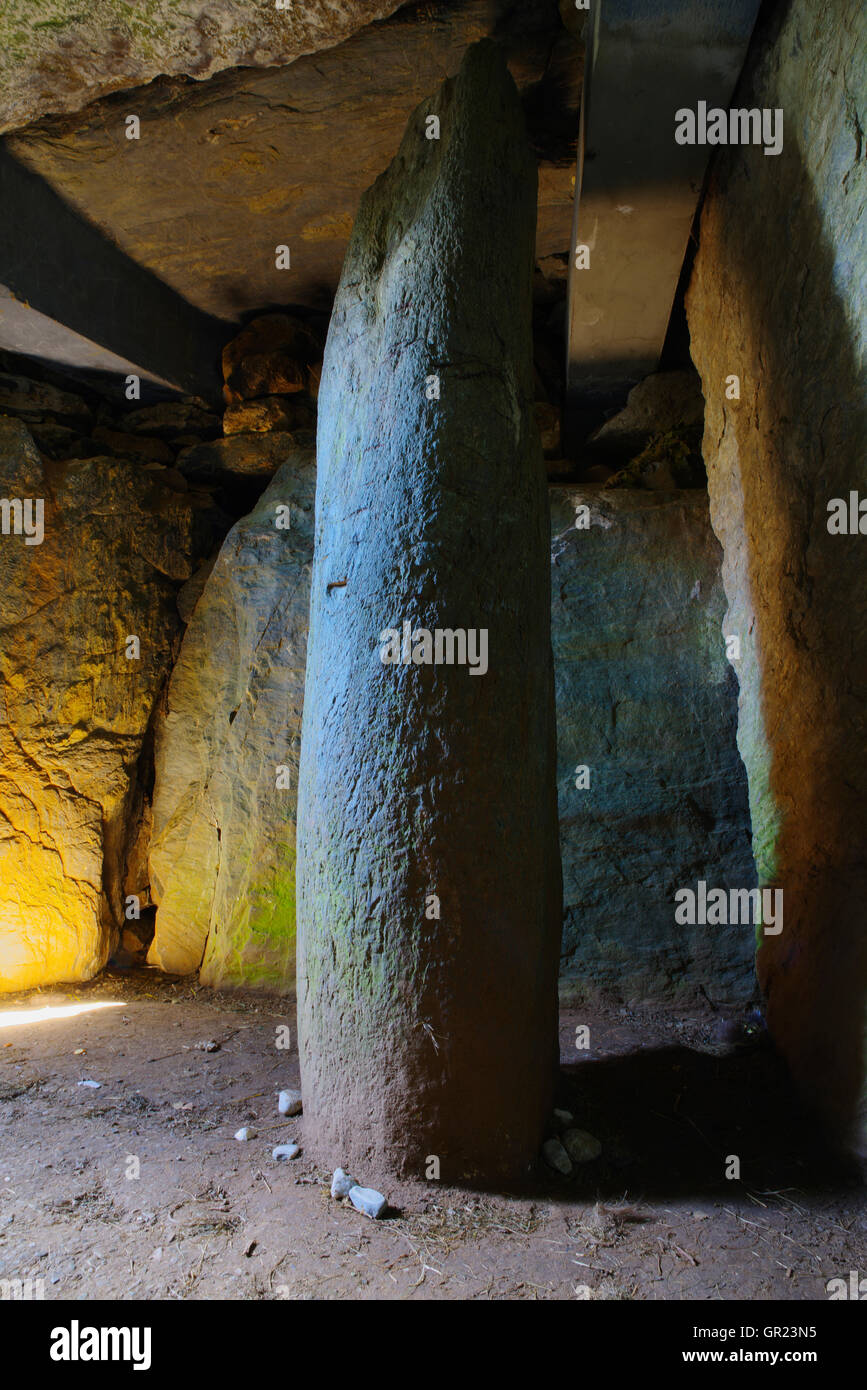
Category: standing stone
[428,868]
[792,328]
[222,857]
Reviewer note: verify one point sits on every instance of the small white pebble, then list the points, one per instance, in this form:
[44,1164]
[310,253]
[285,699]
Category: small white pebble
[286,1151]
[245,1133]
[289,1103]
[342,1184]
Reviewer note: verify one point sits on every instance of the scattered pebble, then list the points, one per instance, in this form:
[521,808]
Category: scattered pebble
[556,1157]
[581,1146]
[563,1117]
[245,1133]
[289,1103]
[79,1052]
[209,1046]
[94,1085]
[368,1201]
[342,1184]
[286,1151]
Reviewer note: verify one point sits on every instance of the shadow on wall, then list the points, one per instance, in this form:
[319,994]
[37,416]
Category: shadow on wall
[59,264]
[647,705]
[776,298]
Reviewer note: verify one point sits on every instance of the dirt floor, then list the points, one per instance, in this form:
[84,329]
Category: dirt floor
[654,1217]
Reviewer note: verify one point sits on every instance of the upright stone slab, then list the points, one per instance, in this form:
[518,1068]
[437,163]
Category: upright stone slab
[653,795]
[420,1035]
[222,857]
[792,328]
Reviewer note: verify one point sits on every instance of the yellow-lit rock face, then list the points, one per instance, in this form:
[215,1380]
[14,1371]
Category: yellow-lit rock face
[50,925]
[74,707]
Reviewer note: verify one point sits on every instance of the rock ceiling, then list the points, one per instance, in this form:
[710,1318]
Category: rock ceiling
[226,170]
[58,55]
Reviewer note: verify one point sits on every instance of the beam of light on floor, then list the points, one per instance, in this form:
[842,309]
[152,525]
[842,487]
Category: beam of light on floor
[13,1018]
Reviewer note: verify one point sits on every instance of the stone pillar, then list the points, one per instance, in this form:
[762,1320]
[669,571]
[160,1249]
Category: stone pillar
[428,866]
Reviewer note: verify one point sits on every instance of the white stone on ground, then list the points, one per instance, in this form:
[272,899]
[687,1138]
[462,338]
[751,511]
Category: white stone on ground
[245,1133]
[289,1103]
[342,1184]
[368,1201]
[286,1151]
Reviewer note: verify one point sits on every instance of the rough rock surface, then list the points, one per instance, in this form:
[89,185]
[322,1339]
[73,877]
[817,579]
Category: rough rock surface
[118,542]
[34,400]
[240,456]
[171,420]
[269,358]
[222,858]
[667,802]
[655,441]
[646,701]
[427,1034]
[282,156]
[269,414]
[790,320]
[662,402]
[59,55]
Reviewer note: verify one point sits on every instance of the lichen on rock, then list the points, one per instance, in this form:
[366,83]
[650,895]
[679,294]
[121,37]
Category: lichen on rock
[222,858]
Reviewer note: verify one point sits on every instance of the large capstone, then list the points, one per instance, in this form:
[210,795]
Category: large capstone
[57,56]
[428,868]
[222,858]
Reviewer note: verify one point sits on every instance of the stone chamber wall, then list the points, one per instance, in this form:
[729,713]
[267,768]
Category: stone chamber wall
[192,811]
[793,328]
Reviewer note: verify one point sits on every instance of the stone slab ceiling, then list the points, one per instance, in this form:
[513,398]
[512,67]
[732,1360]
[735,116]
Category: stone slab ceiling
[228,169]
[58,55]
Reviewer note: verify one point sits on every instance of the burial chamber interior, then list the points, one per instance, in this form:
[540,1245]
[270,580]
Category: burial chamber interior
[270,489]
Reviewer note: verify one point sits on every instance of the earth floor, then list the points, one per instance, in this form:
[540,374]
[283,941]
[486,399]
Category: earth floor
[139,1190]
